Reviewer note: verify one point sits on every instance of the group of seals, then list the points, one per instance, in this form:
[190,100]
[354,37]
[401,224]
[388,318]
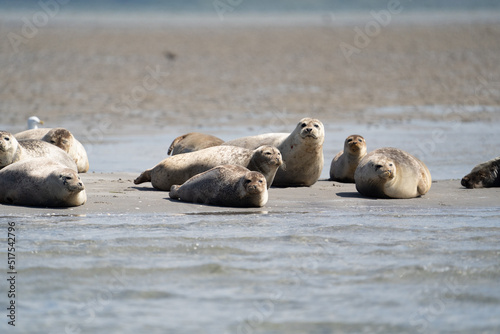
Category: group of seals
[227,185]
[177,169]
[39,167]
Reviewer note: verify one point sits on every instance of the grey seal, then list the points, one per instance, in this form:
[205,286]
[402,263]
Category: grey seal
[392,173]
[226,185]
[484,175]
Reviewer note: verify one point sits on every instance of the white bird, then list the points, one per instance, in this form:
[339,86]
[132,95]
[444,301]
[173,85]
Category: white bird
[33,122]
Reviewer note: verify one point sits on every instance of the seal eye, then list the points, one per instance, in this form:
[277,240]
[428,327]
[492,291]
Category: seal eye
[360,140]
[390,165]
[378,166]
[303,125]
[316,126]
[6,138]
[349,140]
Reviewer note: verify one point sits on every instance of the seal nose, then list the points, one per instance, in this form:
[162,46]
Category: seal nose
[308,130]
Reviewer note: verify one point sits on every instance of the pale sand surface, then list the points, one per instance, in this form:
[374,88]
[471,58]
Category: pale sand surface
[114,193]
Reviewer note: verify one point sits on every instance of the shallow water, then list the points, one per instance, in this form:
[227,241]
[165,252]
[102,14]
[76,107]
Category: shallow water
[370,269]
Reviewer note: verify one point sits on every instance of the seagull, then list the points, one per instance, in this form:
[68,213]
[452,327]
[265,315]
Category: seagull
[33,122]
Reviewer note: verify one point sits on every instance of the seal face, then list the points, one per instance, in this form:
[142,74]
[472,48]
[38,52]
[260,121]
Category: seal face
[392,173]
[63,139]
[8,149]
[485,175]
[302,152]
[193,141]
[226,185]
[179,168]
[344,164]
[41,182]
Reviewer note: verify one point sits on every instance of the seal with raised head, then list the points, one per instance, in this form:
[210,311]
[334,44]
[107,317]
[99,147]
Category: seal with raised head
[344,164]
[179,168]
[193,141]
[12,150]
[63,139]
[392,173]
[41,182]
[226,185]
[302,152]
[484,175]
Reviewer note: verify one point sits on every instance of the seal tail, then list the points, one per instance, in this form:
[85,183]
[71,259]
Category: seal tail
[176,140]
[174,192]
[144,177]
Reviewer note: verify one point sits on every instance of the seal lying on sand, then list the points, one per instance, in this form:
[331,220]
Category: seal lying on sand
[392,173]
[193,141]
[344,164]
[302,152]
[226,185]
[63,139]
[41,182]
[179,168]
[486,174]
[12,151]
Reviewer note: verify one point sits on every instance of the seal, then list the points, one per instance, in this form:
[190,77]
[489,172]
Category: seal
[392,173]
[179,168]
[63,139]
[41,182]
[226,185]
[193,141]
[302,152]
[33,122]
[344,164]
[12,151]
[484,175]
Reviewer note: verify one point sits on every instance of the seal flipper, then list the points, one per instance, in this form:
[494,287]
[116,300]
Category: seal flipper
[144,177]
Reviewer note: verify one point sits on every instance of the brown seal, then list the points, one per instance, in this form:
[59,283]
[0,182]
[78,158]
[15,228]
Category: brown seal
[193,141]
[344,164]
[392,173]
[484,175]
[179,168]
[226,185]
[302,152]
[41,182]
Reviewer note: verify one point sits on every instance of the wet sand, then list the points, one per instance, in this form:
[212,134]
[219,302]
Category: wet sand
[115,193]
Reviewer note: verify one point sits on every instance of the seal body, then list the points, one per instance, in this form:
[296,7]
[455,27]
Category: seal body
[179,168]
[226,185]
[392,173]
[193,141]
[41,182]
[302,152]
[63,139]
[344,164]
[12,150]
[484,175]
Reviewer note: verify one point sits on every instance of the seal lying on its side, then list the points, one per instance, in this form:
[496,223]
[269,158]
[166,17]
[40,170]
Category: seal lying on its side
[193,141]
[392,173]
[179,168]
[12,151]
[344,164]
[302,152]
[41,182]
[226,185]
[63,139]
[486,174]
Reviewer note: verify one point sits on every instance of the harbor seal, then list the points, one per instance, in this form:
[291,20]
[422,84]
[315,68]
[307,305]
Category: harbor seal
[302,152]
[63,139]
[344,164]
[193,141]
[41,182]
[179,168]
[12,151]
[226,185]
[33,122]
[484,175]
[392,173]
